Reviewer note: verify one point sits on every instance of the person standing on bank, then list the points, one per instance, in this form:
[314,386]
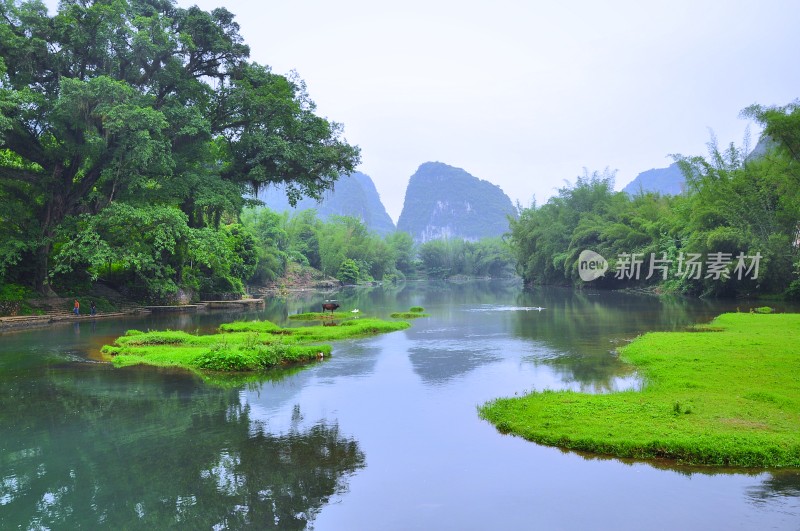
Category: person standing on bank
[77,307]
[92,308]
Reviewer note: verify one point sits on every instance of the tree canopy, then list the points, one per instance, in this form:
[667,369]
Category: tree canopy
[144,103]
[736,203]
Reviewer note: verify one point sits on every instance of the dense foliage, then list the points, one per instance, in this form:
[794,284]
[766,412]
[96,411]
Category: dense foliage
[131,131]
[489,257]
[736,208]
[343,247]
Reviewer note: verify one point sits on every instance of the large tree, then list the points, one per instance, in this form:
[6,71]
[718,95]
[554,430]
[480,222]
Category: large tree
[143,102]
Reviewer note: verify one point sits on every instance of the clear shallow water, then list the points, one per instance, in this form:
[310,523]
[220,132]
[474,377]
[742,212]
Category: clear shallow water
[383,435]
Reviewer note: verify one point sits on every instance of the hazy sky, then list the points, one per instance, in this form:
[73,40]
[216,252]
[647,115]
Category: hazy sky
[527,94]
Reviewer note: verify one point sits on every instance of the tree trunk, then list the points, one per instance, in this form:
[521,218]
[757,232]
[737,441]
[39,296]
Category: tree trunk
[41,283]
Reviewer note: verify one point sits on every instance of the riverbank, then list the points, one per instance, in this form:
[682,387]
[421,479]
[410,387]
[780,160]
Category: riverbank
[726,394]
[24,322]
[298,277]
[61,316]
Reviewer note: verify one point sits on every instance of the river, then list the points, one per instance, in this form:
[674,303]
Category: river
[382,435]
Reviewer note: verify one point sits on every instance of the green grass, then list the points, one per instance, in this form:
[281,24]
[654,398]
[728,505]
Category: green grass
[239,346]
[408,315]
[136,338]
[414,312]
[318,333]
[250,326]
[311,316]
[726,396]
[324,316]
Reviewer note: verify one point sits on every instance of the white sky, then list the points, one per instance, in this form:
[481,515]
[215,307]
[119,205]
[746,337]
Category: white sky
[527,94]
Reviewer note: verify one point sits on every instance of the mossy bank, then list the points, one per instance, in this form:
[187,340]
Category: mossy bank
[727,394]
[240,346]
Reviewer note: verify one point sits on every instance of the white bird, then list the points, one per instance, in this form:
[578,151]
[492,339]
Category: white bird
[355,311]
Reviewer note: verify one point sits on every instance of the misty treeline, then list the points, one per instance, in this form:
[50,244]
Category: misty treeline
[735,203]
[343,247]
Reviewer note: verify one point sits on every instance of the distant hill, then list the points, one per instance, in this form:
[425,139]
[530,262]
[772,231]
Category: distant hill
[446,202]
[670,180]
[353,195]
[765,144]
[665,181]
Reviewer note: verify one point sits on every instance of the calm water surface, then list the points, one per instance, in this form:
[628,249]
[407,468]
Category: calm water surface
[383,435]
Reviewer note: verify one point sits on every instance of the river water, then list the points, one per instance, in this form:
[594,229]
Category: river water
[382,435]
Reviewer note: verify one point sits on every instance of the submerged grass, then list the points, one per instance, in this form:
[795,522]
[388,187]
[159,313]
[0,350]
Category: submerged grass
[728,397]
[240,346]
[413,313]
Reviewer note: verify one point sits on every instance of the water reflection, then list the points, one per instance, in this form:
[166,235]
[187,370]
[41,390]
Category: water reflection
[83,445]
[437,358]
[583,330]
[784,484]
[780,487]
[85,448]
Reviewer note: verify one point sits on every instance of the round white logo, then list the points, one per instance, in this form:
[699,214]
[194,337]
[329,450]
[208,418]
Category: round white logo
[591,265]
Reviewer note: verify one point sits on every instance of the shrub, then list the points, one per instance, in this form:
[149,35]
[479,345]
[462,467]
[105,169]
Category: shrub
[348,272]
[793,291]
[222,357]
[12,300]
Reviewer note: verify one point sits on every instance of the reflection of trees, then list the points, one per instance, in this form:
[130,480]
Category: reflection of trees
[472,292]
[105,448]
[777,487]
[579,330]
[584,328]
[441,354]
[577,320]
[783,484]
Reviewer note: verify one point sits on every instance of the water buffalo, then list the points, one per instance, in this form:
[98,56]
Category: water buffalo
[330,306]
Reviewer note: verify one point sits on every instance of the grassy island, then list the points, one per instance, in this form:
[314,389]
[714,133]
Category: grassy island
[414,312]
[240,346]
[727,394]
